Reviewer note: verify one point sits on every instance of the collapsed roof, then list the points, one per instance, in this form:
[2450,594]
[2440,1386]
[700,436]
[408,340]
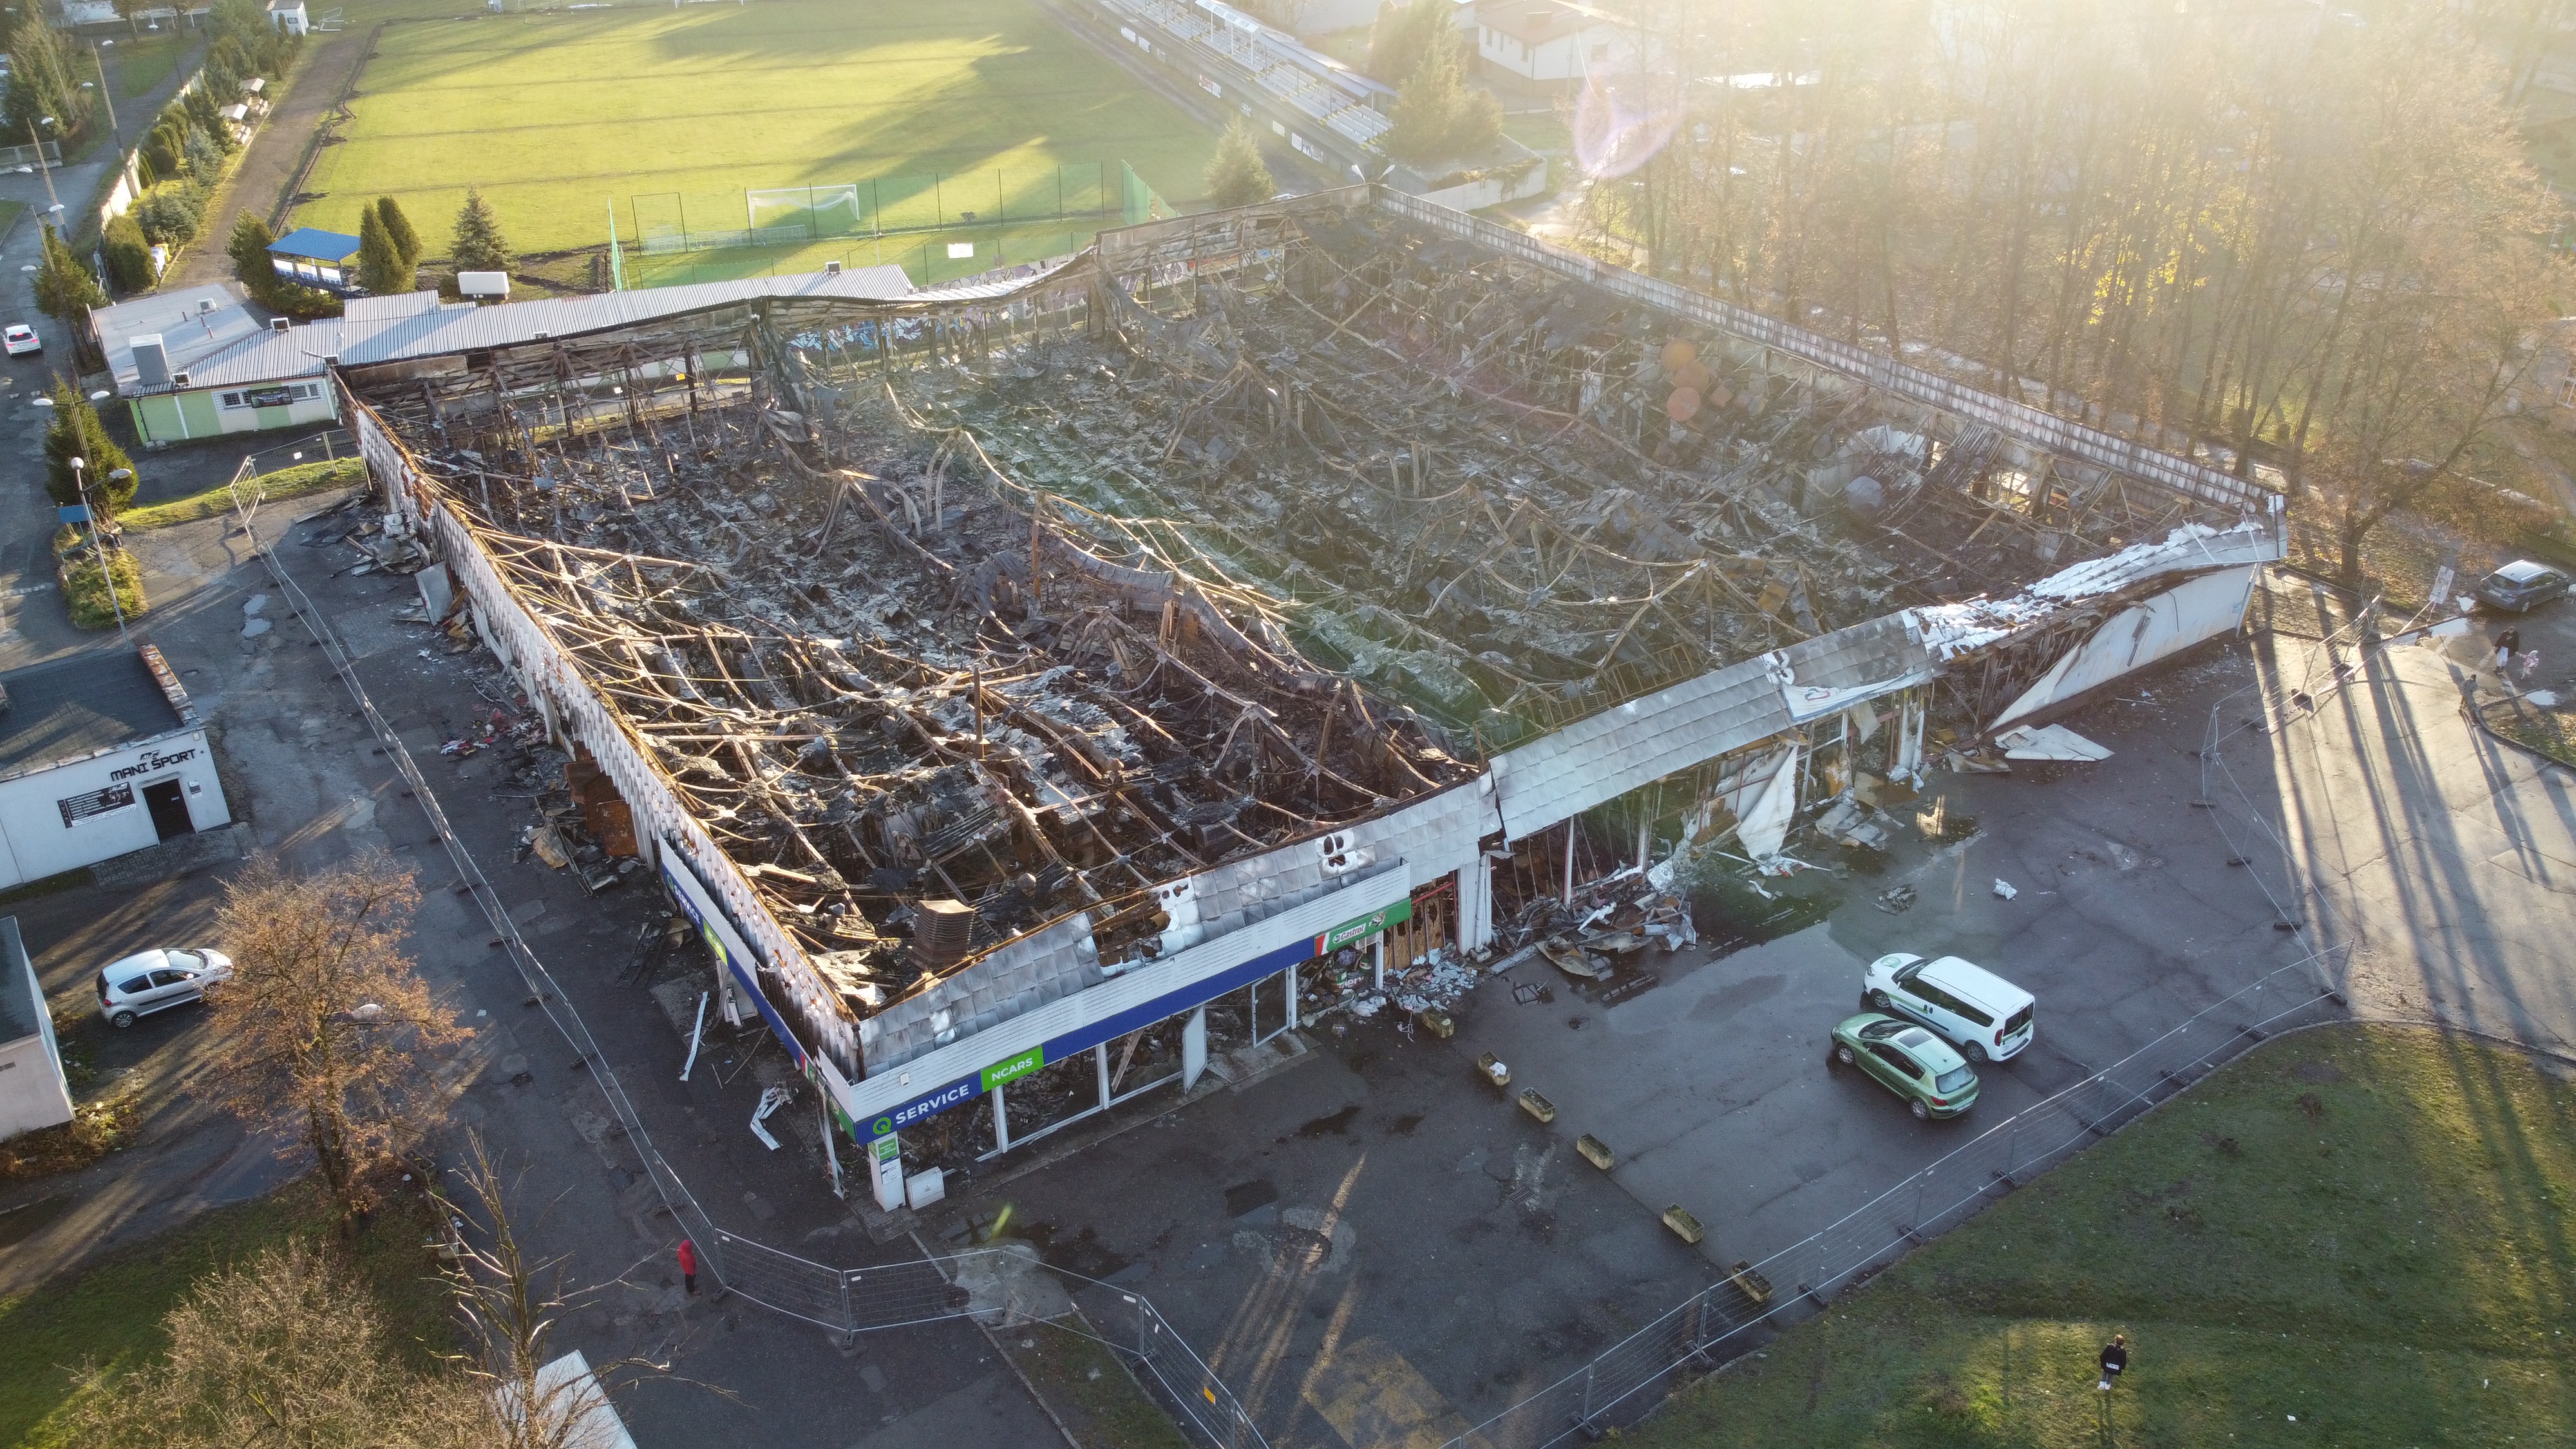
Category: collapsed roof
[1036,596]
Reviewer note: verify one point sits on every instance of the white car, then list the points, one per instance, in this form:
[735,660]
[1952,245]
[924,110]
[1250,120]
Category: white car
[18,339]
[151,981]
[1988,1017]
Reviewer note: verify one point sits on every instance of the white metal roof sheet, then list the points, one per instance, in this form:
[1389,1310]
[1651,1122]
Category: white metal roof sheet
[1017,976]
[1605,756]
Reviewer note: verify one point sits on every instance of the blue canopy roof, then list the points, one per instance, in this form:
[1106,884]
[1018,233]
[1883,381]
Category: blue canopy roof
[315,244]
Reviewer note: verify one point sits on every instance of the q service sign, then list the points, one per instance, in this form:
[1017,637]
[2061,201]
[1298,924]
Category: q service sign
[960,1091]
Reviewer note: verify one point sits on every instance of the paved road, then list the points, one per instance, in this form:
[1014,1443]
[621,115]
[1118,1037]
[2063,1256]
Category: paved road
[263,172]
[32,624]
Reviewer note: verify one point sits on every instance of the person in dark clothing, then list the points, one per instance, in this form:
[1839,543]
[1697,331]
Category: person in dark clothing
[689,1267]
[2115,1360]
[2508,644]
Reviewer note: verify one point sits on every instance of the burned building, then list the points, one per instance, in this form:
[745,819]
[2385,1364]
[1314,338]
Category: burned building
[1013,679]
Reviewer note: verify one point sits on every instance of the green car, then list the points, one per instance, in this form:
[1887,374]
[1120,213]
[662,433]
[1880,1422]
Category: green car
[1934,1080]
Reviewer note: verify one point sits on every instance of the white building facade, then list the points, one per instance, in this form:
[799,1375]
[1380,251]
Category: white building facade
[100,755]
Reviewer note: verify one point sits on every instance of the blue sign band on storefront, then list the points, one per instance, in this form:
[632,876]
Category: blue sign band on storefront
[1084,1038]
[741,971]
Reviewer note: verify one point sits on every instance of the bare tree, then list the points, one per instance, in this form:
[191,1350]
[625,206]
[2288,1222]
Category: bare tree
[284,1350]
[508,1301]
[325,1017]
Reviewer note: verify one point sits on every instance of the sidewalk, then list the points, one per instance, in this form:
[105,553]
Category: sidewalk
[2444,857]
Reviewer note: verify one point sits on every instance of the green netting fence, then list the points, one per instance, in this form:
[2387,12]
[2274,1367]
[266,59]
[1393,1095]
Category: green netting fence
[937,227]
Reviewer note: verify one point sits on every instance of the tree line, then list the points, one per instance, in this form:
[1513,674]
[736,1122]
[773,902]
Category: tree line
[2290,235]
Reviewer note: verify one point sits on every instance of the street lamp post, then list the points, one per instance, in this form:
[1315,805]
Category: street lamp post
[100,86]
[80,484]
[98,53]
[41,164]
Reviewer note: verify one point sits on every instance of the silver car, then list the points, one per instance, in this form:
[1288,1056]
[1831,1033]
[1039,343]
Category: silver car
[151,981]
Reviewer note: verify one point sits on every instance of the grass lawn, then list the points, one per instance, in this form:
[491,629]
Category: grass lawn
[557,117]
[2362,1227]
[292,482]
[85,588]
[1078,1377]
[111,1313]
[140,63]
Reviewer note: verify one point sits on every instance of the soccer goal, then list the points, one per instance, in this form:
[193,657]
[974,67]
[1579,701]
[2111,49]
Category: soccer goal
[804,213]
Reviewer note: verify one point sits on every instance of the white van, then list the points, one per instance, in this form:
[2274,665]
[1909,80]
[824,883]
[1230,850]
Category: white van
[1989,1017]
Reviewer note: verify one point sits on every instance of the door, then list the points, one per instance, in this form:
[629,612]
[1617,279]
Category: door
[169,988]
[1893,1067]
[1935,1008]
[169,809]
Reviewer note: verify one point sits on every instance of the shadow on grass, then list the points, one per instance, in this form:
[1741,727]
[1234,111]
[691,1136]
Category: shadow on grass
[110,1313]
[2361,1227]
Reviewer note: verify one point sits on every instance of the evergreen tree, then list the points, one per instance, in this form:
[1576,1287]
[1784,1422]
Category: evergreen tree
[65,291]
[1404,34]
[248,247]
[1438,116]
[219,82]
[205,160]
[479,246]
[208,117]
[41,82]
[129,256]
[398,226]
[165,148]
[1237,176]
[76,432]
[381,268]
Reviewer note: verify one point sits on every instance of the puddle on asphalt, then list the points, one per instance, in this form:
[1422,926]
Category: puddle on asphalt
[1082,1254]
[1331,1124]
[1730,916]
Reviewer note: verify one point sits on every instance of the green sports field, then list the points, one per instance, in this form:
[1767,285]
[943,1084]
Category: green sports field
[557,117]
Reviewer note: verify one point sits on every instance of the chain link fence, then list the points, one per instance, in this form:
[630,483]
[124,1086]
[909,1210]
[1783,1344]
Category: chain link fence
[844,1300]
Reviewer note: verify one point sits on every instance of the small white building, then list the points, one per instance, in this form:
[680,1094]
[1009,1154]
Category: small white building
[1553,44]
[101,753]
[33,1091]
[287,15]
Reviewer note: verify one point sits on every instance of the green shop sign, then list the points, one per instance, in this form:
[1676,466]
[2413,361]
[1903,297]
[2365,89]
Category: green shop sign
[1014,1069]
[1363,928]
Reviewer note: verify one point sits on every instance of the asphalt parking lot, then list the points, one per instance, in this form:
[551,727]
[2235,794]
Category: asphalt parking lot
[1475,1256]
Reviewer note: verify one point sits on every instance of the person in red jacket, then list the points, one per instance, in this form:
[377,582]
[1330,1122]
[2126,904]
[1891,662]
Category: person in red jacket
[689,1265]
